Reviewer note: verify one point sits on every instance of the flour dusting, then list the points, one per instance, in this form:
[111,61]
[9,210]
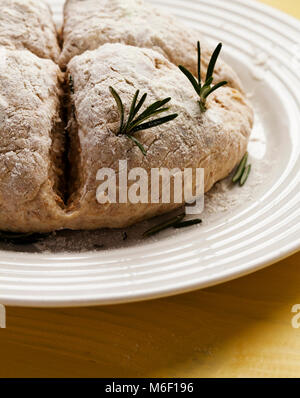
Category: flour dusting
[226,196]
[223,200]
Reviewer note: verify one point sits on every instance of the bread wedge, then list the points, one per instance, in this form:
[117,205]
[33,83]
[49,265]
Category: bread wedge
[31,143]
[28,25]
[215,140]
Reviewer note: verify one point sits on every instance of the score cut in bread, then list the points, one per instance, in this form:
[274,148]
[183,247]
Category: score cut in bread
[53,140]
[215,140]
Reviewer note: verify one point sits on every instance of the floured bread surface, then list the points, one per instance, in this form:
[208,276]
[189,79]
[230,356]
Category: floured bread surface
[31,142]
[91,23]
[28,25]
[215,140]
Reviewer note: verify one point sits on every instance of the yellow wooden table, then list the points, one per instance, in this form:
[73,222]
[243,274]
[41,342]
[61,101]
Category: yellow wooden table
[239,329]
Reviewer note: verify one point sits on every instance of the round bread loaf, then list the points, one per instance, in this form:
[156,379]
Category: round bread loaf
[215,140]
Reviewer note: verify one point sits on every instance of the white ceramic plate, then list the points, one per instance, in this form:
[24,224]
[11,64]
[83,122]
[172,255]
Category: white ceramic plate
[258,229]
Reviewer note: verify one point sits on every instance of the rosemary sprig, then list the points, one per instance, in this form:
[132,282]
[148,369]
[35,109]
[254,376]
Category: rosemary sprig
[137,122]
[189,223]
[245,175]
[206,89]
[241,168]
[20,238]
[165,225]
[243,171]
[175,222]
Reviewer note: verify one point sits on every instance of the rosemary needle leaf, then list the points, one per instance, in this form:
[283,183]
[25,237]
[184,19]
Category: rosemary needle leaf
[214,88]
[165,225]
[154,123]
[137,143]
[135,123]
[205,90]
[199,63]
[213,60]
[152,109]
[245,175]
[119,105]
[191,78]
[139,105]
[189,223]
[241,169]
[133,107]
[208,82]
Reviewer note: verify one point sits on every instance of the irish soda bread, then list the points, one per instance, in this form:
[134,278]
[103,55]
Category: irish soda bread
[215,140]
[57,129]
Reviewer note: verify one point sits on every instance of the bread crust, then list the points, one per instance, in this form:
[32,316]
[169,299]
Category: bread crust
[143,48]
[215,140]
[28,25]
[91,23]
[30,140]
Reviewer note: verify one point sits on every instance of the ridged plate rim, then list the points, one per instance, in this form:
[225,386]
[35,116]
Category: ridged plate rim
[173,265]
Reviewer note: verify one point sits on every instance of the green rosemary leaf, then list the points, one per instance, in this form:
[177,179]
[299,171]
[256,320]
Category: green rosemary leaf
[151,110]
[240,169]
[208,83]
[134,123]
[189,223]
[245,175]
[139,105]
[199,63]
[191,78]
[133,107]
[214,88]
[205,90]
[165,225]
[154,123]
[213,60]
[137,143]
[119,105]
